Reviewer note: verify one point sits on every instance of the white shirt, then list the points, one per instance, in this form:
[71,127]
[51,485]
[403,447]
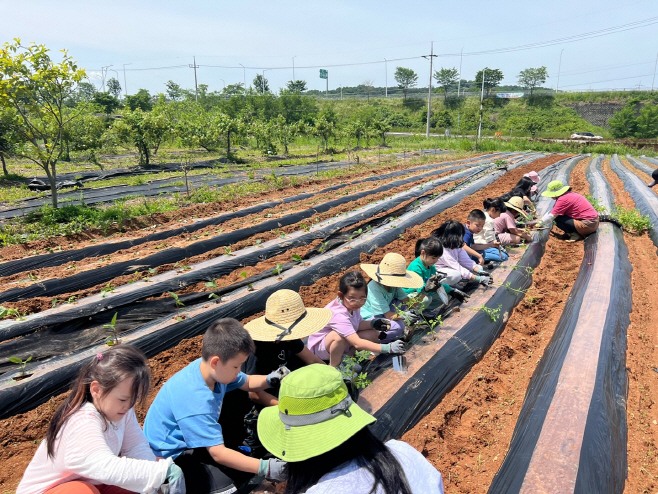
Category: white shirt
[422,477]
[488,233]
[90,449]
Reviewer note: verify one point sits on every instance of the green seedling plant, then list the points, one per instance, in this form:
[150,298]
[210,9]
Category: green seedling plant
[22,364]
[5,312]
[113,339]
[179,303]
[297,258]
[228,251]
[360,380]
[151,271]
[323,246]
[55,301]
[494,314]
[109,288]
[278,269]
[305,227]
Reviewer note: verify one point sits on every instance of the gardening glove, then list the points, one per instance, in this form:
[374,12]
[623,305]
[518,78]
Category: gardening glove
[483,280]
[459,295]
[175,481]
[433,283]
[274,377]
[410,317]
[395,347]
[272,469]
[380,324]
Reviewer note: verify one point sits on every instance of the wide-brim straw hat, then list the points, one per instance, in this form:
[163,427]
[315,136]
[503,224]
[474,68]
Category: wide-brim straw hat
[392,271]
[315,414]
[286,318]
[555,189]
[516,203]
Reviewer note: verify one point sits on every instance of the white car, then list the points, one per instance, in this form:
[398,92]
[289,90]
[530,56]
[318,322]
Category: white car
[585,135]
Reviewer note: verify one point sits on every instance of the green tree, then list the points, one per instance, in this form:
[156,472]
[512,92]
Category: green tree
[84,93]
[114,87]
[406,79]
[174,91]
[624,122]
[381,125]
[647,122]
[298,86]
[228,127]
[261,84]
[7,139]
[145,130]
[324,129]
[357,129]
[534,124]
[491,79]
[197,127]
[285,132]
[106,102]
[446,78]
[368,86]
[531,78]
[87,133]
[35,89]
[233,90]
[142,100]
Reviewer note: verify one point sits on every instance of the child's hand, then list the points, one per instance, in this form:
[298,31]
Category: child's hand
[274,377]
[480,259]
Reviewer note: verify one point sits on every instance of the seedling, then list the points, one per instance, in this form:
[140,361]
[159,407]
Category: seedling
[508,285]
[278,269]
[214,296]
[323,246]
[151,271]
[55,301]
[297,258]
[250,287]
[71,299]
[183,268]
[179,304]
[493,314]
[244,274]
[22,364]
[212,284]
[4,312]
[113,339]
[32,277]
[109,288]
[356,233]
[227,251]
[360,380]
[305,227]
[258,242]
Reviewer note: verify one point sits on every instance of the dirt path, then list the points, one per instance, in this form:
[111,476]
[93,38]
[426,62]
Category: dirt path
[19,435]
[641,356]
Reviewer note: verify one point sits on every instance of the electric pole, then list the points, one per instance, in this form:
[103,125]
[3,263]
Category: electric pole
[429,96]
[386,77]
[559,69]
[461,59]
[196,87]
[125,84]
[654,73]
[484,73]
[293,68]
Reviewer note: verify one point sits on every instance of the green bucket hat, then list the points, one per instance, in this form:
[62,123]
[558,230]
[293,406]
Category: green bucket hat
[315,414]
[555,189]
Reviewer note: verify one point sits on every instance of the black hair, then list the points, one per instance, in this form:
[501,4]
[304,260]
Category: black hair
[496,203]
[476,215]
[226,338]
[525,184]
[431,246]
[517,192]
[352,279]
[451,234]
[506,197]
[367,450]
[654,174]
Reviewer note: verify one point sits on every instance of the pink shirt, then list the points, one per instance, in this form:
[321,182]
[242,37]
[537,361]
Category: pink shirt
[458,260]
[575,206]
[342,322]
[90,449]
[504,222]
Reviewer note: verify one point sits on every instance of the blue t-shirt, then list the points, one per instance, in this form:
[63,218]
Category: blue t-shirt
[379,300]
[468,237]
[184,414]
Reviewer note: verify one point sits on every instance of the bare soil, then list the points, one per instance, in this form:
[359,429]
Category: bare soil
[20,435]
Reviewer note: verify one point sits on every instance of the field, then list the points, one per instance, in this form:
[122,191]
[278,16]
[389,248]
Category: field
[481,398]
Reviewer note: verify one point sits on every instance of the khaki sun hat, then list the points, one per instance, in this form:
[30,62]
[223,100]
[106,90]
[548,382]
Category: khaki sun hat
[286,318]
[315,414]
[555,189]
[392,271]
[516,203]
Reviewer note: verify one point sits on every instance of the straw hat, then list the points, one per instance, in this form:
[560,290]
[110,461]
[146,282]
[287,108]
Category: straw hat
[516,203]
[555,189]
[286,318]
[315,414]
[533,175]
[392,271]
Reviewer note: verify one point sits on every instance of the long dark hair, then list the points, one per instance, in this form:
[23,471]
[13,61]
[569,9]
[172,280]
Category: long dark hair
[113,366]
[367,450]
[525,184]
[496,203]
[451,234]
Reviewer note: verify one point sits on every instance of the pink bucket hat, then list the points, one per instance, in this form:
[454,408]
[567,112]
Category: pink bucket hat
[533,189]
[533,175]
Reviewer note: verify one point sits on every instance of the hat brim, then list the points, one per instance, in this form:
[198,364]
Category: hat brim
[556,193]
[304,442]
[512,206]
[409,280]
[315,320]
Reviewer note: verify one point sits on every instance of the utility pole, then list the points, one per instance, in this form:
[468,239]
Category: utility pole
[244,76]
[484,73]
[196,87]
[224,83]
[559,68]
[461,59]
[429,96]
[327,91]
[654,73]
[293,69]
[263,81]
[386,77]
[104,74]
[125,84]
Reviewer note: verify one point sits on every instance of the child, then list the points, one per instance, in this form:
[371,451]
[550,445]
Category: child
[386,293]
[505,224]
[434,293]
[94,443]
[182,421]
[347,331]
[474,225]
[455,262]
[485,241]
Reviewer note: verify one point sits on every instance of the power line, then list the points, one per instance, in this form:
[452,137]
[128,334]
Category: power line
[608,80]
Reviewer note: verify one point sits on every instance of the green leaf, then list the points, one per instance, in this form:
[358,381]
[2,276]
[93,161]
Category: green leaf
[15,360]
[297,258]
[28,359]
[114,319]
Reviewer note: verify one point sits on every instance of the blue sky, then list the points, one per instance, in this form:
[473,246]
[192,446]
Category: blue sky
[267,34]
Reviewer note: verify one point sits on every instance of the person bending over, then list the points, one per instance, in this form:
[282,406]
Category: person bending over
[571,212]
[486,242]
[454,262]
[505,224]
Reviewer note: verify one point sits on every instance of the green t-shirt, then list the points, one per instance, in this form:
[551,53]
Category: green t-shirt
[418,266]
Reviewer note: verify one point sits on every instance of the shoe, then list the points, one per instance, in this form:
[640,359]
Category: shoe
[575,237]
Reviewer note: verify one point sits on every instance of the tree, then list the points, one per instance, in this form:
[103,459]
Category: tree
[446,79]
[261,84]
[141,100]
[145,130]
[106,101]
[624,123]
[534,124]
[35,88]
[113,87]
[647,122]
[87,132]
[228,126]
[381,124]
[491,79]
[233,90]
[285,132]
[357,128]
[406,79]
[7,144]
[174,91]
[298,86]
[368,86]
[324,129]
[531,78]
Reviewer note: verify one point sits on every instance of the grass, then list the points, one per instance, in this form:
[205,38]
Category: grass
[631,219]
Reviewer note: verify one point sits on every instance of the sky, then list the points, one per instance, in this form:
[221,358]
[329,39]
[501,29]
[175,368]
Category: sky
[155,41]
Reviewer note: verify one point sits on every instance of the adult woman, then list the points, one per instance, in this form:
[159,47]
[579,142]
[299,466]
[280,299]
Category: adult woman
[324,437]
[571,211]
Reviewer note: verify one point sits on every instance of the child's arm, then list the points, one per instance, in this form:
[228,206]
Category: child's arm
[360,344]
[135,444]
[255,383]
[479,247]
[233,459]
[308,357]
[474,253]
[264,398]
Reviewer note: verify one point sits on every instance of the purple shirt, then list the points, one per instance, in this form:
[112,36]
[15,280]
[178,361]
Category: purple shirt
[344,323]
[458,260]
